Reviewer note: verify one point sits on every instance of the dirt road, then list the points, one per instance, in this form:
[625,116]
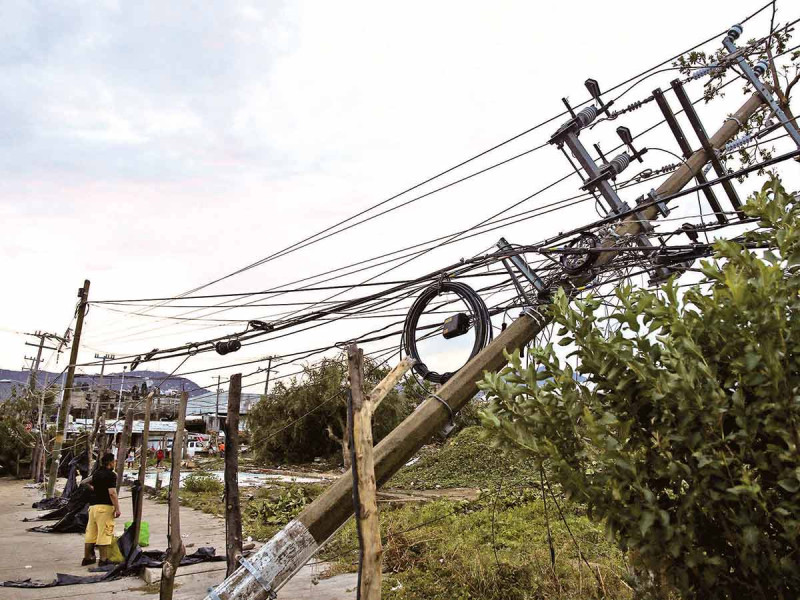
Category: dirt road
[40,556]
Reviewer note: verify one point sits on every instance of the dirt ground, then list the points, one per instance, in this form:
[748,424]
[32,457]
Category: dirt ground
[25,554]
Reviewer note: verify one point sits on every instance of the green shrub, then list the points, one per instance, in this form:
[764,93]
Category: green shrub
[684,439]
[200,481]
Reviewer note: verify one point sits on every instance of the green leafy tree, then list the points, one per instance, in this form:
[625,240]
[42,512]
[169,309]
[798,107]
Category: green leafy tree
[307,417]
[15,442]
[684,439]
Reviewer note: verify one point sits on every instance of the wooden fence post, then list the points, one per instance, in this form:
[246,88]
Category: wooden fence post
[137,518]
[233,515]
[175,548]
[102,445]
[122,451]
[91,436]
[35,461]
[365,491]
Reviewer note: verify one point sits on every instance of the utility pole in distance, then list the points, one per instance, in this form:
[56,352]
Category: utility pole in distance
[37,361]
[31,389]
[61,424]
[269,372]
[100,394]
[104,358]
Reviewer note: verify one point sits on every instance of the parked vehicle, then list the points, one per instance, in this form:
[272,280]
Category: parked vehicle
[195,447]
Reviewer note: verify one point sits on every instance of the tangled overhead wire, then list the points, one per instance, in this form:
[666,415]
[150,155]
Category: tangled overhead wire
[456,325]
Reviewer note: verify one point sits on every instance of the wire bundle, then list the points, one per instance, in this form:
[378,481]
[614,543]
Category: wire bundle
[479,319]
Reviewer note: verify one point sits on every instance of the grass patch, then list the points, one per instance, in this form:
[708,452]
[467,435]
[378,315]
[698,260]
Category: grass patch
[447,550]
[264,510]
[465,460]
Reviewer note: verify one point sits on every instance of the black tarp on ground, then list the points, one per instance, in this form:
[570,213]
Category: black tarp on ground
[136,559]
[75,465]
[72,511]
[75,514]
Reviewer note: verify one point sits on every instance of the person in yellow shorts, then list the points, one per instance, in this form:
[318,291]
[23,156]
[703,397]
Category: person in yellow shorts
[103,509]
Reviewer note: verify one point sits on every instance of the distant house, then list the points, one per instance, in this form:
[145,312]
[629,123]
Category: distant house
[205,405]
[159,434]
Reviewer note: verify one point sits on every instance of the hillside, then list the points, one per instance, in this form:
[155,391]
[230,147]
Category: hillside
[112,380]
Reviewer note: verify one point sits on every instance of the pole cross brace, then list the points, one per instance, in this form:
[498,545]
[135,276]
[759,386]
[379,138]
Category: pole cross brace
[753,77]
[522,266]
[705,142]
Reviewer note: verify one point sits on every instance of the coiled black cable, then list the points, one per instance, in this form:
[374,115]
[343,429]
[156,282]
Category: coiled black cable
[479,319]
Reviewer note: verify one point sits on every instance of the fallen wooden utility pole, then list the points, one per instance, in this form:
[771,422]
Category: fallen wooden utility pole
[122,451]
[63,418]
[290,548]
[233,513]
[137,517]
[175,548]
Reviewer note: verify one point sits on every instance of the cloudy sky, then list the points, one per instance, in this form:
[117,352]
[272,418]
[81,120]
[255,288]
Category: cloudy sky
[153,147]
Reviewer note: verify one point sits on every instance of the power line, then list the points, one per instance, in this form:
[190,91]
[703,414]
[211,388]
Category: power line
[306,241]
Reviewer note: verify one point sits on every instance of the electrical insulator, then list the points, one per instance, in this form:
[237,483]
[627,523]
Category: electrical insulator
[738,142]
[760,68]
[735,31]
[704,71]
[586,116]
[619,163]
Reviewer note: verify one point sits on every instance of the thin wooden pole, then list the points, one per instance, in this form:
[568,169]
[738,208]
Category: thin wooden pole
[35,460]
[365,500]
[63,415]
[122,451]
[91,436]
[175,548]
[233,515]
[103,439]
[137,518]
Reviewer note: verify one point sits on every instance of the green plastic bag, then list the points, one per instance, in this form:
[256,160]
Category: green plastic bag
[115,554]
[144,532]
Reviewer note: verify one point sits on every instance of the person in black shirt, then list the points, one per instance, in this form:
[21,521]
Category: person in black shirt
[103,509]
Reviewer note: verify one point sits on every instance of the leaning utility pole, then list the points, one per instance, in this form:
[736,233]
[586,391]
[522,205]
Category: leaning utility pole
[61,425]
[269,568]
